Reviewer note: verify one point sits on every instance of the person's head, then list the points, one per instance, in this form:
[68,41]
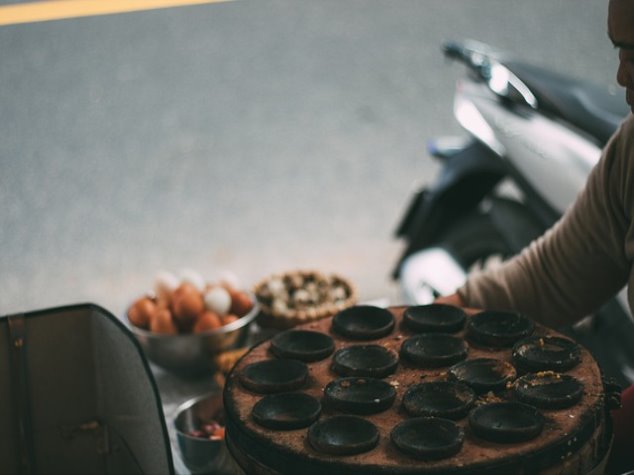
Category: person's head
[621,32]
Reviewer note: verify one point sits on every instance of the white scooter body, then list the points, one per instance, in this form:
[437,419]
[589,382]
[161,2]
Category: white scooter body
[554,158]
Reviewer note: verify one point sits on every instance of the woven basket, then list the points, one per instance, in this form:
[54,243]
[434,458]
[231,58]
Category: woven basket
[301,296]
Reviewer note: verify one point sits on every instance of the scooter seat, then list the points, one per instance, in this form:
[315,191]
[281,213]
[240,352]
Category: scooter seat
[589,107]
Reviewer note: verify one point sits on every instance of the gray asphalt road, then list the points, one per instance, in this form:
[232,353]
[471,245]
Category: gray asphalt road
[247,136]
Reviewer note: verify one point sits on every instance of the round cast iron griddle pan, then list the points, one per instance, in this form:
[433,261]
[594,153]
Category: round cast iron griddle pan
[428,438]
[483,374]
[506,422]
[446,399]
[286,411]
[546,353]
[434,350]
[365,360]
[359,395]
[498,329]
[363,322]
[343,435]
[274,376]
[434,318]
[302,345]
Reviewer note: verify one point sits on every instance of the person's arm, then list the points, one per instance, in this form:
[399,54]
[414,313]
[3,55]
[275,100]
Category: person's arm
[579,263]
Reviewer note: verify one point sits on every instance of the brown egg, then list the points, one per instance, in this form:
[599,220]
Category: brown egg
[187,304]
[163,301]
[227,319]
[207,321]
[163,323]
[141,312]
[241,304]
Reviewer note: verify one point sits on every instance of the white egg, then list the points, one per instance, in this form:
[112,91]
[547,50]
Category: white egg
[192,277]
[165,283]
[231,279]
[218,300]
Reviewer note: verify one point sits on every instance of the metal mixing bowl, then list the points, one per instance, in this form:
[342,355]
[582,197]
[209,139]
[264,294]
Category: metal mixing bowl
[195,353]
[202,455]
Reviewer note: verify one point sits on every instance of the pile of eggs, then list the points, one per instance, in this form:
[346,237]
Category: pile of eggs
[189,304]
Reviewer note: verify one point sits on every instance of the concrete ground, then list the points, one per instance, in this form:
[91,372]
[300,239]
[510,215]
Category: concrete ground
[253,137]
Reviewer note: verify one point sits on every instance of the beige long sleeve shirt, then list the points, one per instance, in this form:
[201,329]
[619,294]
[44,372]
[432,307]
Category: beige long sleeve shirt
[583,260]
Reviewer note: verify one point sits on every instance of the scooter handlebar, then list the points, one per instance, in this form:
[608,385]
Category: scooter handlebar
[475,59]
[454,50]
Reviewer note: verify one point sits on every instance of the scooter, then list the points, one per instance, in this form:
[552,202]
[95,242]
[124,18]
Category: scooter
[533,136]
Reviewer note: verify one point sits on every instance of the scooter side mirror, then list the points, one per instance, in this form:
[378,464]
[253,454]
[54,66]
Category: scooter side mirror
[505,84]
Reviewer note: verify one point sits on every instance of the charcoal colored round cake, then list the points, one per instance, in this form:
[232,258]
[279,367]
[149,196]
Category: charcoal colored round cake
[382,399]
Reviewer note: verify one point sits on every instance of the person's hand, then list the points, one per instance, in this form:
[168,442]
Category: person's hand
[455,300]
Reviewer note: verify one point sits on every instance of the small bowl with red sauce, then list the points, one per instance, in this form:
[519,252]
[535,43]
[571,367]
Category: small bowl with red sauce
[200,433]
